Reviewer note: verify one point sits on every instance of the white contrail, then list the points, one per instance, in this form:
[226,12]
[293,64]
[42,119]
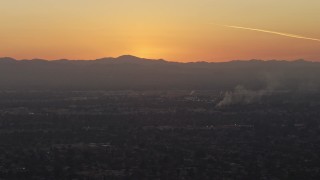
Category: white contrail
[273,32]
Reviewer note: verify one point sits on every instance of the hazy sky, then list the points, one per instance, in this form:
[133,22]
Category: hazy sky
[178,30]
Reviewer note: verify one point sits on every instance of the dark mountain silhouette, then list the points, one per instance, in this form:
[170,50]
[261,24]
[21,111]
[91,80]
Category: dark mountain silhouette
[130,72]
[7,60]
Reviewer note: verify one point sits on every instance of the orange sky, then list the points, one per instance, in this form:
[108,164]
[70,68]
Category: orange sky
[176,30]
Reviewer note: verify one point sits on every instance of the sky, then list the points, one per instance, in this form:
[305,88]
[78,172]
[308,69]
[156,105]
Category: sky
[176,30]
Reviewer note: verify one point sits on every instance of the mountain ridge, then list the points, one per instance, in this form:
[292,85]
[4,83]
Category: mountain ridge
[130,72]
[132,58]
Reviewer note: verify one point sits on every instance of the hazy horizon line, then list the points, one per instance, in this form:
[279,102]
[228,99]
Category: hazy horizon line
[158,59]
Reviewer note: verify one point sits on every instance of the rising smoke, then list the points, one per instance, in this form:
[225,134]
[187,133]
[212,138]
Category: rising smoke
[241,95]
[275,83]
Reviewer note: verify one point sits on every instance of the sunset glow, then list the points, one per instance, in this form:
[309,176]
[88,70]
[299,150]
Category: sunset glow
[176,30]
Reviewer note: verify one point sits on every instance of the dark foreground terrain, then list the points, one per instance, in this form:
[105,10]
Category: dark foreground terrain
[157,135]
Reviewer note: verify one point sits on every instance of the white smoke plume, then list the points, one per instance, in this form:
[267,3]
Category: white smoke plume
[275,83]
[241,95]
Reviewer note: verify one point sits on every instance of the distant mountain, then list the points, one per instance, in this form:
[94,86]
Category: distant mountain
[7,60]
[129,59]
[130,72]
